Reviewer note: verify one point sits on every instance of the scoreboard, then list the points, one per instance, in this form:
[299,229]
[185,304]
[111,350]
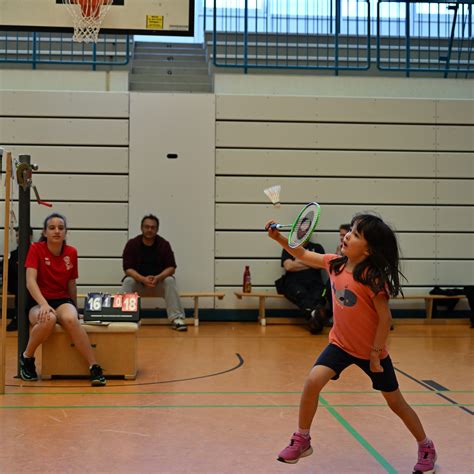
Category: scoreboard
[122,307]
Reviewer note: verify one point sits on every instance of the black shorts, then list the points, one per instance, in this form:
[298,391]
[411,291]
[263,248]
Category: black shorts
[55,304]
[337,359]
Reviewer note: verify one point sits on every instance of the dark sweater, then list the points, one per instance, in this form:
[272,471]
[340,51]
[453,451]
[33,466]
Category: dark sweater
[148,260]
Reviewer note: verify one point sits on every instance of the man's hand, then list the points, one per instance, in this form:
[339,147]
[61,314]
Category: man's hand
[294,265]
[156,280]
[149,281]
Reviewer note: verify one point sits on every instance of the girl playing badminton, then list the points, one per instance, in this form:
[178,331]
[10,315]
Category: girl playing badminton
[362,279]
[51,273]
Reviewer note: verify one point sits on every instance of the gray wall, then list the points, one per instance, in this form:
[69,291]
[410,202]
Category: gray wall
[409,159]
[80,142]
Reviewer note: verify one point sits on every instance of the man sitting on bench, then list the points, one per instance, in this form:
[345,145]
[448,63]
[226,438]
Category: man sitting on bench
[304,287]
[149,266]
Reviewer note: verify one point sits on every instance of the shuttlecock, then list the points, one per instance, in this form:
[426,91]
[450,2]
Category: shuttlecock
[273,193]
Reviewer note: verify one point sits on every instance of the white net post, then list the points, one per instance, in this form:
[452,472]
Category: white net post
[87,17]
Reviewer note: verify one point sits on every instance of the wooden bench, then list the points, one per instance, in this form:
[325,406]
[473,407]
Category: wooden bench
[10,301]
[264,295]
[115,346]
[190,294]
[429,301]
[196,296]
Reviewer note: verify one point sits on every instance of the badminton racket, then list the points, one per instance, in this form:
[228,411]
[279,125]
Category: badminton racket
[303,226]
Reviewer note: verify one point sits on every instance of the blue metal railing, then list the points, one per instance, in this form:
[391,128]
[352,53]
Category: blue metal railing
[37,48]
[438,38]
[281,37]
[433,36]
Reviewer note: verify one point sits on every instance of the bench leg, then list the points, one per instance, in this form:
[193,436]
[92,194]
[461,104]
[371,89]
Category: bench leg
[261,310]
[196,311]
[429,308]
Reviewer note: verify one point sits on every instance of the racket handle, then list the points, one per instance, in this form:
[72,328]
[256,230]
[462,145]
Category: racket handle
[280,226]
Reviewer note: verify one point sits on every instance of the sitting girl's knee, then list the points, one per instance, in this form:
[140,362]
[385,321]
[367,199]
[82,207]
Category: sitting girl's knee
[47,323]
[69,319]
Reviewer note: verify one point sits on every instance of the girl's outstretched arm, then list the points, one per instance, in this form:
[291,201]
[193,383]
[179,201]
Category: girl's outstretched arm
[312,259]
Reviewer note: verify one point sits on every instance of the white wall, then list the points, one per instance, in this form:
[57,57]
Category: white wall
[63,80]
[342,86]
[179,191]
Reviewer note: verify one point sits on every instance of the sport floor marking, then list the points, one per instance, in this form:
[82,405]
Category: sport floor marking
[324,404]
[431,388]
[435,388]
[361,440]
[285,405]
[296,392]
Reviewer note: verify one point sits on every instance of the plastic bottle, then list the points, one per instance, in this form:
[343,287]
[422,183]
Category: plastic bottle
[247,284]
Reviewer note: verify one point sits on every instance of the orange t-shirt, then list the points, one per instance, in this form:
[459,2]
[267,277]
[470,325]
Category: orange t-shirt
[354,317]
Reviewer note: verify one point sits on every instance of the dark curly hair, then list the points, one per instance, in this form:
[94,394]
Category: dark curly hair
[381,269]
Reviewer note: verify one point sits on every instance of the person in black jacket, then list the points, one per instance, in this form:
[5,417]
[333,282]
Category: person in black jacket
[304,286]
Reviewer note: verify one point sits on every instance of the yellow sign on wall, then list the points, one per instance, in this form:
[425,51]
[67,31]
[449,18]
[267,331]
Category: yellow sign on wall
[154,22]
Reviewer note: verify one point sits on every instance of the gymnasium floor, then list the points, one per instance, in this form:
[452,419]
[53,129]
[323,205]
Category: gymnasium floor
[223,398]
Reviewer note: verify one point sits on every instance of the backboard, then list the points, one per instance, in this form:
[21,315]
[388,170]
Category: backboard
[141,17]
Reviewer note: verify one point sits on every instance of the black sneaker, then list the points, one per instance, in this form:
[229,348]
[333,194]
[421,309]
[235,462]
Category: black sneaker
[97,377]
[12,325]
[28,369]
[317,320]
[179,325]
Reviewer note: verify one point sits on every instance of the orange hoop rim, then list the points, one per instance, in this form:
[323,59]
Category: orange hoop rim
[90,8]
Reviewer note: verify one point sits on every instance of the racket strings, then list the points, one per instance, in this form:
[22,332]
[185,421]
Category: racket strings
[304,225]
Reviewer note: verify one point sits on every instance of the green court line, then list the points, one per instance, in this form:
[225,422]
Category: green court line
[372,451]
[231,405]
[296,392]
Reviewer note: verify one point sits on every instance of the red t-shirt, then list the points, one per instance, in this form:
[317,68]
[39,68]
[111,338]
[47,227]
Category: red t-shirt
[354,315]
[54,272]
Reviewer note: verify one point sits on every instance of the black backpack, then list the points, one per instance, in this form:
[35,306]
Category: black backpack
[449,304]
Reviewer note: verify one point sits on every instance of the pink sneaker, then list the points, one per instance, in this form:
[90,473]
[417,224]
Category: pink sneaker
[299,447]
[426,459]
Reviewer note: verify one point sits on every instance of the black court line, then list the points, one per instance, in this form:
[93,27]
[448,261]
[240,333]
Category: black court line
[429,384]
[239,364]
[436,385]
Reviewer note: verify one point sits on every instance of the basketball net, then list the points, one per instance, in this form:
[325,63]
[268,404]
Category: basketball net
[87,17]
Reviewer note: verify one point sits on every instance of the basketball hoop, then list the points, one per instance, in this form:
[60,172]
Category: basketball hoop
[87,17]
